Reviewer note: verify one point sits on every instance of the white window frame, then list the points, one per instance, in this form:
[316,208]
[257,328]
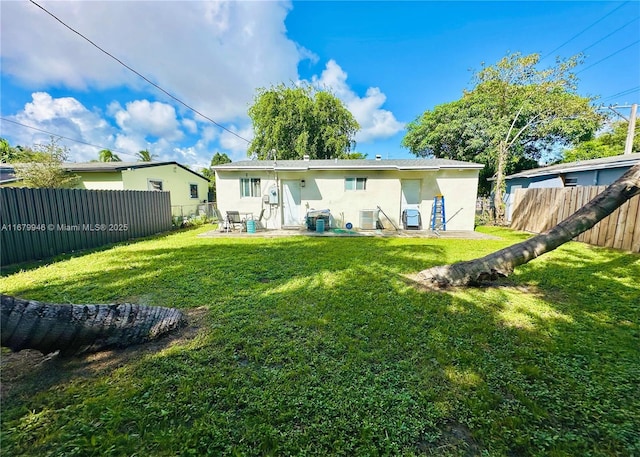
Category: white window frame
[353,183]
[250,187]
[152,187]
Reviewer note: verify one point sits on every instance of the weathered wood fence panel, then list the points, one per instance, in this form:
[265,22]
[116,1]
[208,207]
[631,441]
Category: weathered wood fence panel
[40,223]
[538,210]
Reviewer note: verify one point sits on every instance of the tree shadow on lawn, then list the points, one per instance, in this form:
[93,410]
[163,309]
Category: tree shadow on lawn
[210,272]
[324,346]
[583,305]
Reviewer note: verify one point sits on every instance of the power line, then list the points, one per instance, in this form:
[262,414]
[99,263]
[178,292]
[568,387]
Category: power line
[65,137]
[584,30]
[610,55]
[623,93]
[608,35]
[137,73]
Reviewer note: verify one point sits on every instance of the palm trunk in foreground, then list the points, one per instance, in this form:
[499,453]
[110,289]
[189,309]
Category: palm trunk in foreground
[72,329]
[501,263]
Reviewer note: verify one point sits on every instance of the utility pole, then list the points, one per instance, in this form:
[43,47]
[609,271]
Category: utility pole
[632,129]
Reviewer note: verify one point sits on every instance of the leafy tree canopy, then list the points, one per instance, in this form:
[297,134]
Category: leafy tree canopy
[44,167]
[217,159]
[17,154]
[106,155]
[298,121]
[513,115]
[610,143]
[143,156]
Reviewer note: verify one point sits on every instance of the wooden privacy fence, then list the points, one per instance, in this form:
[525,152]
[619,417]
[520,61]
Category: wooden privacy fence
[40,223]
[538,210]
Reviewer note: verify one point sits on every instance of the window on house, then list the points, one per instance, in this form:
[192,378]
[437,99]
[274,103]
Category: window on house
[355,183]
[155,184]
[570,182]
[250,187]
[193,190]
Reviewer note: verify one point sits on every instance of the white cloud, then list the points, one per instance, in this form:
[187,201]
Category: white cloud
[149,118]
[210,54]
[190,125]
[237,147]
[66,117]
[375,122]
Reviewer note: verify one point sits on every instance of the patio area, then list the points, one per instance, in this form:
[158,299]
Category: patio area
[452,234]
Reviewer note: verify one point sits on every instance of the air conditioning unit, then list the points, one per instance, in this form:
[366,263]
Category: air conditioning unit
[369,219]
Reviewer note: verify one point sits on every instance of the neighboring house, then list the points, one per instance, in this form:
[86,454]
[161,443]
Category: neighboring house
[351,189]
[8,176]
[594,172]
[186,187]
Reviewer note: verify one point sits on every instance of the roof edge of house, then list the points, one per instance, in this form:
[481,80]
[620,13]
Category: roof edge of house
[259,165]
[69,166]
[601,163]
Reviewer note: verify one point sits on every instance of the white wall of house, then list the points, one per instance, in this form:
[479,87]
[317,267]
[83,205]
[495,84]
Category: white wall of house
[326,189]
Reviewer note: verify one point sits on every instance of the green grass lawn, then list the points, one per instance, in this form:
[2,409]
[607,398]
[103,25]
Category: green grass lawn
[323,346]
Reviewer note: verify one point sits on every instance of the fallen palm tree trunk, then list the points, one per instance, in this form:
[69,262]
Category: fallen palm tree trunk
[72,329]
[501,263]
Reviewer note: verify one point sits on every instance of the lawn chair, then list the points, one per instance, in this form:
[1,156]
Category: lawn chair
[234,221]
[223,225]
[259,225]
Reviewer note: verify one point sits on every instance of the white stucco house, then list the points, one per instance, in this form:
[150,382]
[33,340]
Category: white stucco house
[352,190]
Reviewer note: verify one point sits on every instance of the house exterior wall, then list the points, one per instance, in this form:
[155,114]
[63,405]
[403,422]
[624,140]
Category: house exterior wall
[175,180]
[325,189]
[100,181]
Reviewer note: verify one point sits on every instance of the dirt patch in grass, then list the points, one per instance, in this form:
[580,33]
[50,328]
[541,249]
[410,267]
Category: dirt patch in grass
[456,439]
[30,371]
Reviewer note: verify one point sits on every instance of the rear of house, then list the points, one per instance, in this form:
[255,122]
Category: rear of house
[285,191]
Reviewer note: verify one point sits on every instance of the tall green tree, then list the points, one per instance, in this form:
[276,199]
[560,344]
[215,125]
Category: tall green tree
[144,156]
[13,154]
[298,121]
[514,114]
[610,143]
[106,155]
[217,159]
[7,153]
[44,169]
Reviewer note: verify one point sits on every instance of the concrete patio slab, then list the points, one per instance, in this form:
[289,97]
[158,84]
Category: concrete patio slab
[467,235]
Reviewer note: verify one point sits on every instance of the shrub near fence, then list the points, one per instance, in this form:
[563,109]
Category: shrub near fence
[40,223]
[538,210]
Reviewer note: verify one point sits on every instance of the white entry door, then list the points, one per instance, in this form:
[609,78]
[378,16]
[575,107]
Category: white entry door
[291,204]
[410,194]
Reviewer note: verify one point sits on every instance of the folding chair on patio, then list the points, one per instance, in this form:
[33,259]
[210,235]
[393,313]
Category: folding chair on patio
[259,225]
[223,225]
[234,221]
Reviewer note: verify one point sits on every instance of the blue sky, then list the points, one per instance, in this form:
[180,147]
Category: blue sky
[387,61]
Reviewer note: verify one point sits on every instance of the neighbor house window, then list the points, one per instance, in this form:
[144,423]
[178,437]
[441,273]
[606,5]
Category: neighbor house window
[250,187]
[193,190]
[355,183]
[155,184]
